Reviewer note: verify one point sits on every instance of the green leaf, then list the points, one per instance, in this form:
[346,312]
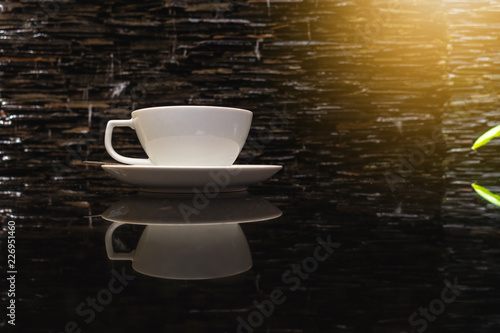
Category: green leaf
[486,137]
[486,194]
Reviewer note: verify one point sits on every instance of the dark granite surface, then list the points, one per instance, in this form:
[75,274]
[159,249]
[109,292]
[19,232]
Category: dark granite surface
[378,104]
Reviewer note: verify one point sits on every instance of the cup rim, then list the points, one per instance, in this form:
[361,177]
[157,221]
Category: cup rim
[222,108]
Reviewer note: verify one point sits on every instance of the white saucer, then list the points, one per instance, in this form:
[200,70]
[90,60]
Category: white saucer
[191,179]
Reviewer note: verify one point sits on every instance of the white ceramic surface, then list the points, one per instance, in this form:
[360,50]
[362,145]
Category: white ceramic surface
[208,179]
[187,252]
[185,135]
[184,209]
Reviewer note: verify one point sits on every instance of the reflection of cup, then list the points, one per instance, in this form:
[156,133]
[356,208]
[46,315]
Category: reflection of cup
[173,209]
[185,135]
[186,251]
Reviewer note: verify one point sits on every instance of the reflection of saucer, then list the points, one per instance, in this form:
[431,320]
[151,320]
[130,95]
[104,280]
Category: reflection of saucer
[175,179]
[169,209]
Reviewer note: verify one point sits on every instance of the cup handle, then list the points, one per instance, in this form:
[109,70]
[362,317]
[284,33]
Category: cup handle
[108,240]
[109,147]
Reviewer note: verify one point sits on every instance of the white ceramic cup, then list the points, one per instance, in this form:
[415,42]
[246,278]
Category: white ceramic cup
[185,135]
